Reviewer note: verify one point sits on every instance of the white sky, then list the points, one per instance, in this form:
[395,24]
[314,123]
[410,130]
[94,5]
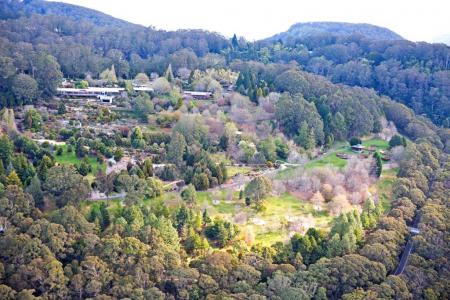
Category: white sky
[417,20]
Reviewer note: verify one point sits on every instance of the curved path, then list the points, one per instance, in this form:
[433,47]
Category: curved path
[413,230]
[409,246]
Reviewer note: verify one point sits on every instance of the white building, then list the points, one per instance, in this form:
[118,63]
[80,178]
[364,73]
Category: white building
[105,95]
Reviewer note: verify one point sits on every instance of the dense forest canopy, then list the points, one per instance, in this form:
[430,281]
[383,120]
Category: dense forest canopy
[310,167]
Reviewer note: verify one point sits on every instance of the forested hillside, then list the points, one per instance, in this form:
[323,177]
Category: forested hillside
[197,167]
[415,74]
[302,30]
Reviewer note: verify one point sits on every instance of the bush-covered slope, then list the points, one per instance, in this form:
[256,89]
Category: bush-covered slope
[301,30]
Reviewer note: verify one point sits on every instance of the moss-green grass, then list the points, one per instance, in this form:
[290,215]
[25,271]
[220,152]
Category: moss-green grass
[224,207]
[71,158]
[384,187]
[233,170]
[379,143]
[330,159]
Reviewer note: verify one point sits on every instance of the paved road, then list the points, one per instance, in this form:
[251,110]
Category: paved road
[408,248]
[410,245]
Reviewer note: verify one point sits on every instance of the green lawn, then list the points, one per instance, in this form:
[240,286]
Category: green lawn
[379,143]
[384,187]
[330,159]
[71,158]
[268,225]
[223,208]
[233,170]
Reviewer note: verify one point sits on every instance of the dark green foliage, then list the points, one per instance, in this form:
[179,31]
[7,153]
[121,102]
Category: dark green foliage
[355,141]
[257,189]
[221,232]
[137,138]
[293,112]
[397,140]
[189,194]
[378,164]
[85,167]
[282,150]
[62,108]
[6,149]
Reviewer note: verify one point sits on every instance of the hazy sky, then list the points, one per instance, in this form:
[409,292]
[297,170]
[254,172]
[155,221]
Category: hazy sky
[413,19]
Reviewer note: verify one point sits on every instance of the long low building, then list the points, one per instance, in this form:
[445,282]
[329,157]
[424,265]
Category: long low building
[104,95]
[197,95]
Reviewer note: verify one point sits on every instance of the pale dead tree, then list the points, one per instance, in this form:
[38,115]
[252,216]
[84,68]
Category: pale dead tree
[206,113]
[183,73]
[240,115]
[215,126]
[397,154]
[357,173]
[240,101]
[339,190]
[213,108]
[278,187]
[304,186]
[249,235]
[296,158]
[388,129]
[268,103]
[317,200]
[339,204]
[263,130]
[327,191]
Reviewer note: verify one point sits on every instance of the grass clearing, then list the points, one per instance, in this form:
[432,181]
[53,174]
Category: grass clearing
[330,159]
[272,223]
[71,158]
[384,187]
[379,143]
[233,170]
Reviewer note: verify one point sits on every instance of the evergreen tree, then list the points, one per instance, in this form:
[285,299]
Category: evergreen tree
[169,74]
[35,190]
[13,179]
[137,138]
[189,194]
[105,218]
[235,42]
[205,217]
[329,141]
[147,168]
[305,137]
[62,108]
[176,149]
[378,164]
[6,149]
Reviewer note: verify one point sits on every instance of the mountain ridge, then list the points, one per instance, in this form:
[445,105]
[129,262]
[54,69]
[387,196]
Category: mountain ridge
[306,29]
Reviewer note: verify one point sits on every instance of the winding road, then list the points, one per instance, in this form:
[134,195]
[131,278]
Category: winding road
[409,246]
[413,230]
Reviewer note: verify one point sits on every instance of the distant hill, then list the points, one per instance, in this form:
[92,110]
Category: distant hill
[14,9]
[301,30]
[443,39]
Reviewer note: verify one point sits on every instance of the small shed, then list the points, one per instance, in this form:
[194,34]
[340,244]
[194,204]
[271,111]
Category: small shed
[358,148]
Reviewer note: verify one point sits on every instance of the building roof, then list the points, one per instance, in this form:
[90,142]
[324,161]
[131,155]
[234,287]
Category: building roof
[195,93]
[143,89]
[92,90]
